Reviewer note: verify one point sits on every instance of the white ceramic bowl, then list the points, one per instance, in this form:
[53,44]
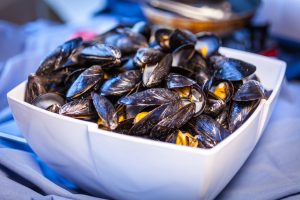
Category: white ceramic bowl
[117,166]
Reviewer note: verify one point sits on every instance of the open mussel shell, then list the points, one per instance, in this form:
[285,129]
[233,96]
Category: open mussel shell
[181,37]
[249,91]
[221,89]
[79,109]
[207,44]
[145,125]
[146,56]
[178,81]
[34,88]
[206,125]
[101,54]
[150,97]
[240,112]
[121,84]
[172,122]
[153,75]
[85,81]
[162,38]
[106,112]
[46,100]
[232,69]
[198,97]
[57,59]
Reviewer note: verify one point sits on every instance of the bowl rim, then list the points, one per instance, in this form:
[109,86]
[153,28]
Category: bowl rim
[91,126]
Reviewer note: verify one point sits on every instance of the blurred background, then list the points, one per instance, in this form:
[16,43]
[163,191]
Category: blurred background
[268,27]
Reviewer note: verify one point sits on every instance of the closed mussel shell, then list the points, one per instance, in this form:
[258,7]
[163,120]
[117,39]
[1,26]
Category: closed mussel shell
[145,125]
[106,112]
[146,56]
[121,84]
[101,54]
[172,122]
[249,91]
[79,109]
[181,37]
[208,126]
[57,59]
[85,81]
[154,74]
[240,112]
[232,69]
[150,97]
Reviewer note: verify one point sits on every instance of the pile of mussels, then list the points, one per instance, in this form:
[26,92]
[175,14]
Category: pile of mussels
[150,82]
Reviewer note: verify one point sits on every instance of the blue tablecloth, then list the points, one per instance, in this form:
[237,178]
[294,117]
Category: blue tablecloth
[271,172]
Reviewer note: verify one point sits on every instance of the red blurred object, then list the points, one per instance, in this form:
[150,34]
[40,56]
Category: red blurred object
[273,52]
[85,35]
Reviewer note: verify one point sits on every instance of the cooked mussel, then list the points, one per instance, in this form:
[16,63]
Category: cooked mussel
[151,82]
[121,84]
[108,117]
[85,81]
[150,97]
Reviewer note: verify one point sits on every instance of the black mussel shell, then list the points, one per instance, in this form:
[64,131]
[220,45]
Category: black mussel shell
[34,88]
[240,112]
[121,84]
[213,105]
[46,100]
[207,44]
[148,122]
[222,118]
[182,56]
[172,122]
[146,56]
[124,126]
[203,78]
[58,57]
[181,37]
[71,77]
[106,111]
[178,81]
[249,91]
[206,125]
[101,54]
[150,97]
[129,65]
[85,81]
[153,75]
[124,39]
[233,69]
[79,109]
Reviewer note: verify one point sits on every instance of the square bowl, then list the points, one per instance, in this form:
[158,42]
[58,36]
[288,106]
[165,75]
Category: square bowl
[118,166]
